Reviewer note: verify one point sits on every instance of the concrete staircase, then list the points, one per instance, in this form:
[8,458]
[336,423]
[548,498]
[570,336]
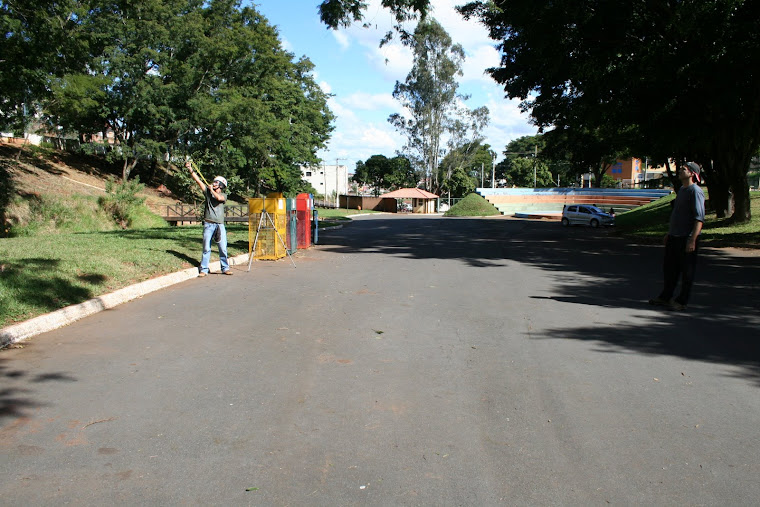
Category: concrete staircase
[548,202]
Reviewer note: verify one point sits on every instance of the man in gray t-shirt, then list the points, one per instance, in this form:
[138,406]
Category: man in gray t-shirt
[213,221]
[681,241]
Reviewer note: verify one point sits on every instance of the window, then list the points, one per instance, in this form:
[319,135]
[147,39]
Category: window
[308,173]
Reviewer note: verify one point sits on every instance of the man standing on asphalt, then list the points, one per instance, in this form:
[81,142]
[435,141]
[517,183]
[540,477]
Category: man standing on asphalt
[681,241]
[213,221]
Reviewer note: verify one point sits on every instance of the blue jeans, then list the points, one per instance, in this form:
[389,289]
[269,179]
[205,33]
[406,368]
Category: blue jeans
[209,228]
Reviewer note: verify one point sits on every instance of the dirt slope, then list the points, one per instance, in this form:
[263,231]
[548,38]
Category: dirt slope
[64,175]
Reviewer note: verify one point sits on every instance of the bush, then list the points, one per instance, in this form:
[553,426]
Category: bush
[473,205]
[121,200]
[608,182]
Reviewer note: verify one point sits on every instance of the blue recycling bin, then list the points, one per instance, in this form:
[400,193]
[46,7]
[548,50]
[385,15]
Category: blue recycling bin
[315,227]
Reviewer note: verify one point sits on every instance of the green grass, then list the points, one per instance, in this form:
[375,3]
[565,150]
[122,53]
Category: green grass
[650,222]
[473,205]
[329,217]
[39,274]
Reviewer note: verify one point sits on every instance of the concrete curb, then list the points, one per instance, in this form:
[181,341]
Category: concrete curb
[65,316]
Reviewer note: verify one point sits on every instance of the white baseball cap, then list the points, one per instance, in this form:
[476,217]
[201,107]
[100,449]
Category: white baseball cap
[222,181]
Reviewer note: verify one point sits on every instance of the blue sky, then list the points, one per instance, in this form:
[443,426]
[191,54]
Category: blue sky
[361,76]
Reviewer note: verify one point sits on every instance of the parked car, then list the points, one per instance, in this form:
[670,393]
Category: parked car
[405,207]
[583,214]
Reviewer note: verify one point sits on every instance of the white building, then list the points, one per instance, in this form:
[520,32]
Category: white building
[326,179]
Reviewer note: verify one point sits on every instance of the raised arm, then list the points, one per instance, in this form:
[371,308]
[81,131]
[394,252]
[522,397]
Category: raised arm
[194,176]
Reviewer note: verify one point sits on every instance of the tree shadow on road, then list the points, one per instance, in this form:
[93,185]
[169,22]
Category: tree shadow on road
[594,267]
[16,398]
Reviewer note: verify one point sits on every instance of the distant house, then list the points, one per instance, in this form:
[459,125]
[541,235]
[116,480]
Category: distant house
[422,200]
[633,171]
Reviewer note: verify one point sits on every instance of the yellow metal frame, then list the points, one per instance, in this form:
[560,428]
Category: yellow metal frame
[267,224]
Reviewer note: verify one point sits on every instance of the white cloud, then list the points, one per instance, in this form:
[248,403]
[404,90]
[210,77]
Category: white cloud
[370,101]
[341,38]
[468,33]
[361,141]
[393,61]
[342,113]
[476,63]
[286,45]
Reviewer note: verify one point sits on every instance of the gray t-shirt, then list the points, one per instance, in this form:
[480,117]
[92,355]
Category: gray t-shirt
[689,207]
[214,208]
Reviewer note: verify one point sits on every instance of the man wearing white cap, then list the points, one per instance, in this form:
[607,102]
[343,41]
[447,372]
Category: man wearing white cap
[681,241]
[213,221]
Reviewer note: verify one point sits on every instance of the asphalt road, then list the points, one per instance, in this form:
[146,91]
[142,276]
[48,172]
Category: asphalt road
[404,361]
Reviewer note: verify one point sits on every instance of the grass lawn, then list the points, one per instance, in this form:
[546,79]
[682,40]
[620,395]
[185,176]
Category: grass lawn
[650,223]
[473,205]
[42,274]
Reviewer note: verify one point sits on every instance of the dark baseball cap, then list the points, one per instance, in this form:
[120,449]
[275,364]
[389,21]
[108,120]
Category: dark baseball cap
[693,167]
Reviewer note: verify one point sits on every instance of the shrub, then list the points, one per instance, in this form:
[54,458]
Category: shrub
[121,200]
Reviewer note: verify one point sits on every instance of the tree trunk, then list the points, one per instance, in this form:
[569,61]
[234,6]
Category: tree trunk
[733,165]
[718,190]
[127,168]
[742,213]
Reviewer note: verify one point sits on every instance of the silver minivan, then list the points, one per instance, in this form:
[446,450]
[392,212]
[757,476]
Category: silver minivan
[584,214]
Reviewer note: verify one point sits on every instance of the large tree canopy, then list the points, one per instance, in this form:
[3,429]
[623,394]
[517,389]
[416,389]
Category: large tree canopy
[670,78]
[208,79]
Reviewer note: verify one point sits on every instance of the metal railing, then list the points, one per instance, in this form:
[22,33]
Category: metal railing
[189,213]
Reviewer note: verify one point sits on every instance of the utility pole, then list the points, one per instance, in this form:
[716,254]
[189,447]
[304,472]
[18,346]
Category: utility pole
[337,172]
[535,162]
[646,163]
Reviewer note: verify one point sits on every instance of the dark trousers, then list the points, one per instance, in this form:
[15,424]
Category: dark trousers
[681,264]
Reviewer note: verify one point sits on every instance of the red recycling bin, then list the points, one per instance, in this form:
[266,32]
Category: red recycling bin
[304,208]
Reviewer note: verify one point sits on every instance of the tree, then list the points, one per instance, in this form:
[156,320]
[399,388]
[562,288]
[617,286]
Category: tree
[258,113]
[579,151]
[372,172]
[40,40]
[134,42]
[189,77]
[429,94]
[464,142]
[380,172]
[342,13]
[672,74]
[402,174]
[461,168]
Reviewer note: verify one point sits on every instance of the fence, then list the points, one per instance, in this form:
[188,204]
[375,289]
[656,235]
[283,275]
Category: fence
[190,213]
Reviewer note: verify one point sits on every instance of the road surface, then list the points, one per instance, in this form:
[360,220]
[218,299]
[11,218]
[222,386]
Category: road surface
[404,361]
